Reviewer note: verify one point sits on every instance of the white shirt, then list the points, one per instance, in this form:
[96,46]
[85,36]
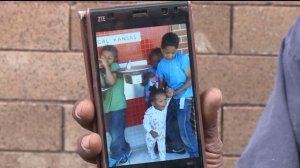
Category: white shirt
[155,119]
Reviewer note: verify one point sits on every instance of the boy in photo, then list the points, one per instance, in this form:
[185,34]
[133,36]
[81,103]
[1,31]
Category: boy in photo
[114,105]
[155,122]
[174,69]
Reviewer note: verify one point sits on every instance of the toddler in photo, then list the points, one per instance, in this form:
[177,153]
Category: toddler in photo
[155,122]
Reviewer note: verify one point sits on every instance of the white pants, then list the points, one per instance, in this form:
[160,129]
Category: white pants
[161,143]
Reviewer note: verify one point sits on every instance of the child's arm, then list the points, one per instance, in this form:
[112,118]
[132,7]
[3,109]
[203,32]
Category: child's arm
[146,123]
[161,83]
[102,81]
[187,83]
[146,77]
[111,77]
[159,74]
[168,102]
[147,126]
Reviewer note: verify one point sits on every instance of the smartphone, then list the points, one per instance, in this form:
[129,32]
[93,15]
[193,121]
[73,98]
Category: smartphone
[142,74]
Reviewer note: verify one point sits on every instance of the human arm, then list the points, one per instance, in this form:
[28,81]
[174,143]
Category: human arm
[146,122]
[147,126]
[161,83]
[111,76]
[160,76]
[146,77]
[187,84]
[102,81]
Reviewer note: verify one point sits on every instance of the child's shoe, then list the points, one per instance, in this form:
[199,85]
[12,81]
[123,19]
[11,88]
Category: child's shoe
[128,153]
[112,162]
[178,150]
[123,161]
[153,156]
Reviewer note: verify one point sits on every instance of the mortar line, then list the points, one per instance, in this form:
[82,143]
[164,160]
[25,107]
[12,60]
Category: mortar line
[231,29]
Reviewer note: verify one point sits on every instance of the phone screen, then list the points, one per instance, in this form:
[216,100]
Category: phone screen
[145,75]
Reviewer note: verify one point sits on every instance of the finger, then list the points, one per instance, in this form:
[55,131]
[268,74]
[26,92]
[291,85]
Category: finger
[213,144]
[89,147]
[214,160]
[93,166]
[84,113]
[211,101]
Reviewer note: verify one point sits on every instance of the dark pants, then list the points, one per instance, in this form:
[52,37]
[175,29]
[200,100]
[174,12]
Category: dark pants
[172,130]
[183,118]
[115,122]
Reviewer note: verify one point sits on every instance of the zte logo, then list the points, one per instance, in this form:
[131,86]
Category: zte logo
[101,19]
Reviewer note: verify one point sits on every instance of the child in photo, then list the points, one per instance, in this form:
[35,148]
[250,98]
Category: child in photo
[174,69]
[149,77]
[155,122]
[114,105]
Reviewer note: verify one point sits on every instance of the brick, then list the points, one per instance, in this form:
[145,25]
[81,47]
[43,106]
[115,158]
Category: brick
[175,27]
[211,28]
[185,51]
[183,45]
[75,22]
[219,122]
[261,29]
[72,130]
[27,126]
[183,26]
[34,26]
[239,123]
[42,75]
[41,160]
[242,79]
[180,32]
[183,39]
[229,162]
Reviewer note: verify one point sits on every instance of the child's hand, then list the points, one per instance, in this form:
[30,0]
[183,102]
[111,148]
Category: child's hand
[104,62]
[145,80]
[153,134]
[169,92]
[151,75]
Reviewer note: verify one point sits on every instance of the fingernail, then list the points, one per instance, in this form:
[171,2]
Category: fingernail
[85,143]
[77,112]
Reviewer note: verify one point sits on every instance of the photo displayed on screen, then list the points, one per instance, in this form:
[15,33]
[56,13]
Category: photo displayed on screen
[147,94]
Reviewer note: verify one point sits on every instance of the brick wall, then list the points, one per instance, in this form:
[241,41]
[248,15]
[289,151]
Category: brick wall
[180,30]
[42,73]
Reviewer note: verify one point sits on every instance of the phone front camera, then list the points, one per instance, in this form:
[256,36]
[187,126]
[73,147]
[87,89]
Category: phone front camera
[175,9]
[164,11]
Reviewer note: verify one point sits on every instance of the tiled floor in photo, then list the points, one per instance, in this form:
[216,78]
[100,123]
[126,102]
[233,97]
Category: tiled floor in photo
[140,155]
[135,136]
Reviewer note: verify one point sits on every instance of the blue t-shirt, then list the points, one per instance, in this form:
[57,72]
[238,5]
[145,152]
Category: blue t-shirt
[173,72]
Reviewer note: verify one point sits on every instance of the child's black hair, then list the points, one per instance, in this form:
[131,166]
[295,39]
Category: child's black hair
[156,52]
[154,92]
[111,49]
[170,39]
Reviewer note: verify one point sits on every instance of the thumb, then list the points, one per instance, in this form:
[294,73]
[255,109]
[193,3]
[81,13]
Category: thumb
[211,101]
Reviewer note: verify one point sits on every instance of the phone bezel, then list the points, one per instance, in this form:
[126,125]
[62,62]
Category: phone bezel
[93,27]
